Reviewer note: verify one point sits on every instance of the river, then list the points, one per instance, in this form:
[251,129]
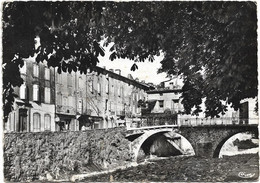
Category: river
[187,168]
[233,165]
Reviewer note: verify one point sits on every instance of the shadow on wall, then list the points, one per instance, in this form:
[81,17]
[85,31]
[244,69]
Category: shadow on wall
[165,145]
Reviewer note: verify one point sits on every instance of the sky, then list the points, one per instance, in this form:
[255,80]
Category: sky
[146,71]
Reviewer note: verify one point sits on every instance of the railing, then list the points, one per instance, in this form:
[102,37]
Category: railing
[216,121]
[155,120]
[151,127]
[152,122]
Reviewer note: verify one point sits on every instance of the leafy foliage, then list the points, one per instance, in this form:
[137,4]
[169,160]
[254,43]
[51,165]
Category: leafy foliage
[212,45]
[67,41]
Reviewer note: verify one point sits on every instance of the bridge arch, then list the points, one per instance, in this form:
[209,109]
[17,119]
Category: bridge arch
[138,142]
[221,143]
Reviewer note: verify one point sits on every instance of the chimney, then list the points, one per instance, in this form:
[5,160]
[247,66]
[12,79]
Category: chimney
[104,67]
[129,76]
[137,79]
[118,71]
[143,81]
[111,70]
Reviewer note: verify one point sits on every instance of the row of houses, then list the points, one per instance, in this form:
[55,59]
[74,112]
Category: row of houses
[48,101]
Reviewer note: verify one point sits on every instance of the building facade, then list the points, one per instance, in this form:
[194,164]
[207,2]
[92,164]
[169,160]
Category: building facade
[165,101]
[99,99]
[49,101]
[33,109]
[111,99]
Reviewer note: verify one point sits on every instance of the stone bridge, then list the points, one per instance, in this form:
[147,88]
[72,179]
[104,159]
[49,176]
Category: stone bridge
[206,140]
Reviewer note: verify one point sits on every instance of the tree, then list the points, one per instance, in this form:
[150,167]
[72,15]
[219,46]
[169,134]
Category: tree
[212,45]
[69,37]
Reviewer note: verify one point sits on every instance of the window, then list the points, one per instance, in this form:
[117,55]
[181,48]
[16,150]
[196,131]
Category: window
[80,83]
[70,91]
[47,94]
[36,70]
[99,88]
[107,88]
[118,91]
[23,68]
[115,90]
[122,91]
[59,99]
[58,78]
[175,103]
[47,122]
[35,92]
[161,103]
[91,86]
[36,122]
[23,91]
[70,101]
[65,101]
[106,105]
[47,73]
[70,80]
[80,105]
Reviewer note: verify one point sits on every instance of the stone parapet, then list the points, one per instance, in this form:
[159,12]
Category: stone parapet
[57,155]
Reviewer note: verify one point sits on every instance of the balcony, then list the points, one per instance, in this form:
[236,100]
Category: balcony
[65,109]
[120,113]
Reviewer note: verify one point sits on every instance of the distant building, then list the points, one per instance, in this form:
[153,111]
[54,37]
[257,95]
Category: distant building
[34,108]
[163,104]
[165,101]
[112,99]
[247,112]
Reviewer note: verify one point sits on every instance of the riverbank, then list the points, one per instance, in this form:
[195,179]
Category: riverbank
[229,168]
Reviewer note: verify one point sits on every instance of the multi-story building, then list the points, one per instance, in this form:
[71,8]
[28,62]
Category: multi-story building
[33,110]
[70,90]
[163,105]
[111,99]
[165,101]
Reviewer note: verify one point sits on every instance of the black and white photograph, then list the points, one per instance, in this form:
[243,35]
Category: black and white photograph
[129,91]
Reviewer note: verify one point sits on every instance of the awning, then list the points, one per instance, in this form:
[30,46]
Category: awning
[85,117]
[26,104]
[66,116]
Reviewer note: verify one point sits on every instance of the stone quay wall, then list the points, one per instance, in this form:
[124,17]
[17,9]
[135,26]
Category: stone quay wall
[57,155]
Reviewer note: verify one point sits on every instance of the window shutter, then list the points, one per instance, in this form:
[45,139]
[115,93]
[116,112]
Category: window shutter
[35,92]
[98,88]
[47,73]
[36,122]
[91,86]
[80,105]
[36,70]
[47,96]
[47,122]
[107,88]
[23,91]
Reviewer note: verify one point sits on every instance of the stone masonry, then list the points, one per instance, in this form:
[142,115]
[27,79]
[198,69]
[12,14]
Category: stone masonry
[57,155]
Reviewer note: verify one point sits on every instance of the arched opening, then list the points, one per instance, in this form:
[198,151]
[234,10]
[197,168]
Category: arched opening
[165,144]
[239,143]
